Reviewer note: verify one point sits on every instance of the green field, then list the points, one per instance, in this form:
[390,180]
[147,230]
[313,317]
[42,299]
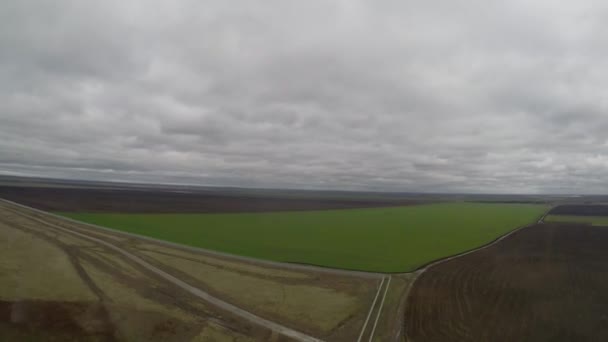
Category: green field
[594,220]
[394,239]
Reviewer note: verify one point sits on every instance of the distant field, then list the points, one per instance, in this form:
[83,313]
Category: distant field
[580,210]
[594,220]
[183,200]
[395,239]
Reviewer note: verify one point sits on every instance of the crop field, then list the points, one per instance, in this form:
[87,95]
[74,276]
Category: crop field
[185,200]
[543,283]
[528,279]
[593,220]
[593,214]
[580,210]
[396,239]
[61,281]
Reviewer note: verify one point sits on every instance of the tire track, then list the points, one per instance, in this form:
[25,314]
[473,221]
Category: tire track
[71,253]
[371,309]
[377,307]
[371,336]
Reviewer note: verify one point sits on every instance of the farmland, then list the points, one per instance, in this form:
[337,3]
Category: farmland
[594,214]
[580,210]
[593,220]
[130,199]
[396,239]
[543,283]
[60,280]
[104,296]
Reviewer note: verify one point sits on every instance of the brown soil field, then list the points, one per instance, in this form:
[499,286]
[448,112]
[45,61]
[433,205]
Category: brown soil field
[57,319]
[160,201]
[580,210]
[543,283]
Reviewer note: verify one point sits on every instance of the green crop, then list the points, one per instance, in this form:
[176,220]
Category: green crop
[396,239]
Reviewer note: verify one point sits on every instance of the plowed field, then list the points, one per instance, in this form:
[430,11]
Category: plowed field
[548,282]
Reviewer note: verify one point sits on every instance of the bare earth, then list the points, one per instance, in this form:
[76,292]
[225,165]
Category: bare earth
[546,282]
[163,201]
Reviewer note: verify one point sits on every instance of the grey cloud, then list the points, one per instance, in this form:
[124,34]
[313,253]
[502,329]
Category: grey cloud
[394,95]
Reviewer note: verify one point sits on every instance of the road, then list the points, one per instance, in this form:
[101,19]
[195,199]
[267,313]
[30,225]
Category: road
[388,284]
[376,307]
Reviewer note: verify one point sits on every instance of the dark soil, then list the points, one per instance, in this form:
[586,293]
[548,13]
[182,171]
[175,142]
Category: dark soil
[580,210]
[68,319]
[544,283]
[158,201]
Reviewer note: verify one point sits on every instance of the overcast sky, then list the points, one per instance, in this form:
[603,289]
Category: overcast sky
[474,96]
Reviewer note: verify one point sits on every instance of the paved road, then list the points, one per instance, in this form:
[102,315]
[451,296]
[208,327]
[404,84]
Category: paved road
[283,330]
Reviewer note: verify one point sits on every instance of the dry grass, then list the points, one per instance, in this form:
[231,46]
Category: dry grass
[29,264]
[316,307]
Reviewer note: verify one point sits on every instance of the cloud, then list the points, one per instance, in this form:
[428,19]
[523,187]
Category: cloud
[394,95]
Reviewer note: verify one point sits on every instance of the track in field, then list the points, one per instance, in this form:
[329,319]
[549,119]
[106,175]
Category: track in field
[369,326]
[548,282]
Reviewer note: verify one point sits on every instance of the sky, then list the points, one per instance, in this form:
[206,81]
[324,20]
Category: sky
[433,96]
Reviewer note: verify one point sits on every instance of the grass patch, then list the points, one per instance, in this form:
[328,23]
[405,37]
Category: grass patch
[593,220]
[29,264]
[217,333]
[308,305]
[395,239]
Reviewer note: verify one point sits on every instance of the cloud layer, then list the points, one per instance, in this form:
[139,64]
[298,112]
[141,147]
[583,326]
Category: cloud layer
[446,96]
